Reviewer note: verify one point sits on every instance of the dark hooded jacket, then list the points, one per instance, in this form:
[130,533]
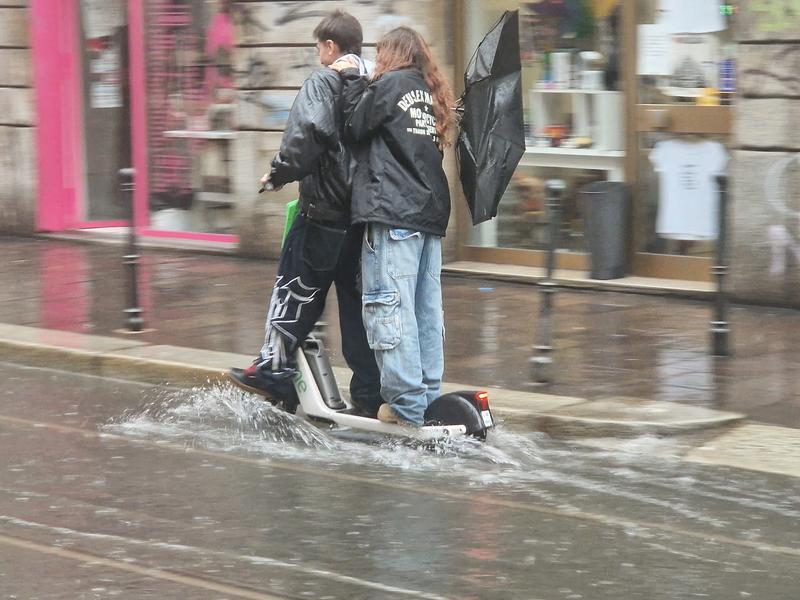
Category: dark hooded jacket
[399,179]
[312,151]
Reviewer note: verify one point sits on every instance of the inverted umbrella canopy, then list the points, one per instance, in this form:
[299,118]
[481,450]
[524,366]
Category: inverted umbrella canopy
[492,138]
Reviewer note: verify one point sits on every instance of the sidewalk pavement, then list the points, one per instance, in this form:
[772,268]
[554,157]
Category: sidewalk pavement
[625,364]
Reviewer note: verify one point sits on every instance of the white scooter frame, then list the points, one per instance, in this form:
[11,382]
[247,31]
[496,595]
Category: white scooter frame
[320,399]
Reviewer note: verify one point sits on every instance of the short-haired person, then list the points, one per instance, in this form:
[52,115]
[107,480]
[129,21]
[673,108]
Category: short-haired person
[322,247]
[401,120]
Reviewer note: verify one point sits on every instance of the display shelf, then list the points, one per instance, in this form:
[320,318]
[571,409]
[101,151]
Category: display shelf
[200,134]
[214,197]
[574,152]
[611,161]
[595,114]
[567,91]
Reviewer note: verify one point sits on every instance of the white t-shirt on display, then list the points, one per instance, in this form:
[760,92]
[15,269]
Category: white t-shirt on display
[688,202]
[692,16]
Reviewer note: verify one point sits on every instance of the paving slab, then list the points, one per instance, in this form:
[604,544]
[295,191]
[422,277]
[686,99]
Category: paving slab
[175,364]
[755,447]
[517,407]
[581,280]
[65,339]
[59,349]
[627,417]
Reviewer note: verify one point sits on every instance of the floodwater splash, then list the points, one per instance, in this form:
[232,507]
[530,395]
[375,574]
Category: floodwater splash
[222,417]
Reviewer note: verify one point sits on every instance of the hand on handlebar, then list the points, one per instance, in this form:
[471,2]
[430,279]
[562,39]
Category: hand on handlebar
[266,185]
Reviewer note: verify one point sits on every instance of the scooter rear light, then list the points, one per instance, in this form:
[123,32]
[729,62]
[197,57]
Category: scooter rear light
[482,400]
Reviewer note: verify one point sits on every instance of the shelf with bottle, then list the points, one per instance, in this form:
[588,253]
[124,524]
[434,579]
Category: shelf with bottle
[610,161]
[593,119]
[542,88]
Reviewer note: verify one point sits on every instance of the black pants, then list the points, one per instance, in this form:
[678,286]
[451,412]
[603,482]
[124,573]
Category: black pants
[314,256]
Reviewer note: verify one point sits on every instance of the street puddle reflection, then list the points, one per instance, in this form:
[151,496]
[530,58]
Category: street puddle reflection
[645,472]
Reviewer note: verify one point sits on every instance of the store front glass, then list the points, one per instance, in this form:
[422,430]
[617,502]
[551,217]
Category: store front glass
[190,110]
[105,109]
[686,84]
[574,106]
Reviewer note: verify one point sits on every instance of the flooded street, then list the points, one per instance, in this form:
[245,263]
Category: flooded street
[120,489]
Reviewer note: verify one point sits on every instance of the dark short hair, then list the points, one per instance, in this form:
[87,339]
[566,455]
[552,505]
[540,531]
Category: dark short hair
[344,29]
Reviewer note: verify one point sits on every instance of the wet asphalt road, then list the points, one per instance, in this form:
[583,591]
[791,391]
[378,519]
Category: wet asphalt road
[112,489]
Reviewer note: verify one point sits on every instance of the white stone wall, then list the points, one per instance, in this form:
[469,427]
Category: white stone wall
[17,119]
[765,180]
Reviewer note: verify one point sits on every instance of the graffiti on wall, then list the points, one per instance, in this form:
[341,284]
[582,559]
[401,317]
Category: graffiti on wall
[782,234]
[292,23]
[779,71]
[271,62]
[773,16]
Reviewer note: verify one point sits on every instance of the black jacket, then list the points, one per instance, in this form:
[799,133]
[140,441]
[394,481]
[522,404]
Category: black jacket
[399,179]
[312,151]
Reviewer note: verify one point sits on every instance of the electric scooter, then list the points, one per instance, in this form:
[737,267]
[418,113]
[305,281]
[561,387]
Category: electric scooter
[451,415]
[455,414]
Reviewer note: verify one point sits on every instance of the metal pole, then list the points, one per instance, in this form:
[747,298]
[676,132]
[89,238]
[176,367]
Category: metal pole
[720,328]
[542,361]
[133,314]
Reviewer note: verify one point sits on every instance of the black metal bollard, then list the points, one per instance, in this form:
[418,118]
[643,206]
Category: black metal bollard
[720,328]
[133,314]
[542,360]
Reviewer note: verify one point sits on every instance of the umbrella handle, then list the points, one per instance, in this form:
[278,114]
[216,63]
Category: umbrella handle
[459,108]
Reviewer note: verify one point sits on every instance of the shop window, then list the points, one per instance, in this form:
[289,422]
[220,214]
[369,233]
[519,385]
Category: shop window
[574,106]
[687,65]
[687,52]
[190,110]
[105,108]
[677,193]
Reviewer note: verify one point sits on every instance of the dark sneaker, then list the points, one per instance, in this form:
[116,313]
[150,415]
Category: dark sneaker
[355,411]
[364,408]
[275,386]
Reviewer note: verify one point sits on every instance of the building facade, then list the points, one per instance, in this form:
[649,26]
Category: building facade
[194,94]
[18,164]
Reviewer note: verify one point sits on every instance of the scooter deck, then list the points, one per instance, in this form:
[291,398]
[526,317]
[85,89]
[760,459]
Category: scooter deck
[424,433]
[312,405]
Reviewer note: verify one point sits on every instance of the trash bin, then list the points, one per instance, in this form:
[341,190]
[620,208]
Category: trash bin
[605,227]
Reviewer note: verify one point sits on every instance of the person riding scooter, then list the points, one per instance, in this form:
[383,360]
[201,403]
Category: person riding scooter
[322,247]
[401,120]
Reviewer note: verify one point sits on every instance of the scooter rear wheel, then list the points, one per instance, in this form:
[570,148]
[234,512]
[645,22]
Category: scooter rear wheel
[453,409]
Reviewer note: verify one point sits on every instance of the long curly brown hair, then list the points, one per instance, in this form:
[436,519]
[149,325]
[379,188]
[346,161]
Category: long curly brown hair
[404,48]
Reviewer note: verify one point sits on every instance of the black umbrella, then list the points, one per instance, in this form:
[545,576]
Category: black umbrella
[492,138]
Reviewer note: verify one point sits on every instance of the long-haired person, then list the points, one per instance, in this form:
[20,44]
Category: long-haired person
[401,120]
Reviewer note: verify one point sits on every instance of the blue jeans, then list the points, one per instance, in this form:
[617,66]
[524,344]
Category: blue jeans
[402,310]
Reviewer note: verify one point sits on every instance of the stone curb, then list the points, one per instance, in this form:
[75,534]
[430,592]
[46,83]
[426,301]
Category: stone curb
[568,426]
[568,281]
[159,364]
